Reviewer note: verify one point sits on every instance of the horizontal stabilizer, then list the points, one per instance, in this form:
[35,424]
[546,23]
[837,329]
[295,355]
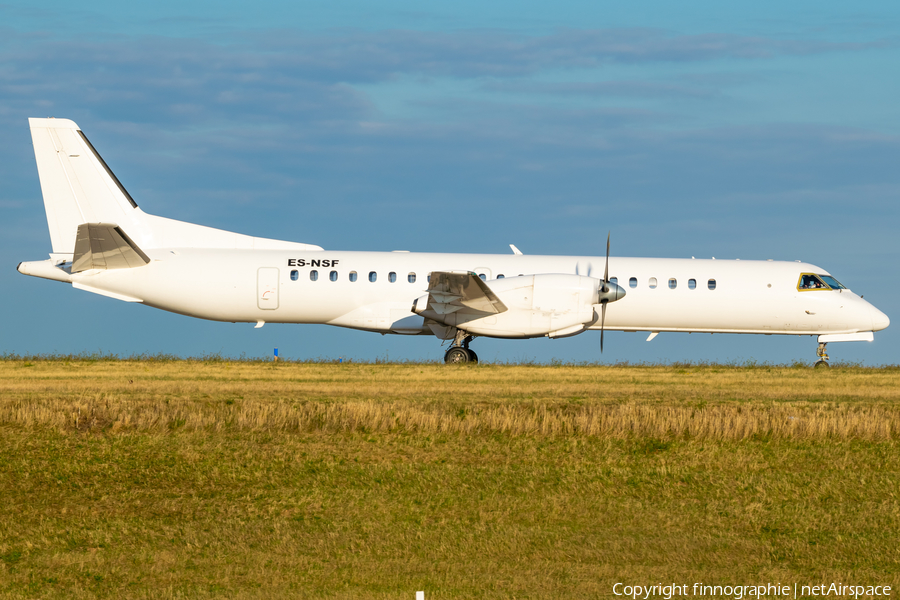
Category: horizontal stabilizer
[105,246]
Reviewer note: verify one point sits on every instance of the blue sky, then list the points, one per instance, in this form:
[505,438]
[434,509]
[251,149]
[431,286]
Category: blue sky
[766,130]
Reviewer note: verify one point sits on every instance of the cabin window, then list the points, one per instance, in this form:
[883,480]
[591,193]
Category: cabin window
[313,275]
[392,277]
[295,275]
[482,276]
[711,284]
[333,276]
[352,275]
[411,278]
[692,284]
[373,276]
[653,283]
[632,283]
[673,283]
[614,280]
[428,278]
[501,276]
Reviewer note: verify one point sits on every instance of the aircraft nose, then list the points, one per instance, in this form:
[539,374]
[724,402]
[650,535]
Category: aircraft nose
[879,320]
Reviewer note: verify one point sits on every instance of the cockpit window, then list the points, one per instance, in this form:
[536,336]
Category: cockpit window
[832,282]
[808,281]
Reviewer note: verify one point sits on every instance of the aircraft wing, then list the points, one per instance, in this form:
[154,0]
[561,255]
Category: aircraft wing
[465,292]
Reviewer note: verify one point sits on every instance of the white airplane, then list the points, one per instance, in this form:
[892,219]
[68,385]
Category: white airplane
[103,243]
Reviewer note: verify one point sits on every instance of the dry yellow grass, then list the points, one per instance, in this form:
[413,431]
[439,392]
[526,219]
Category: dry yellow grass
[192,479]
[618,402]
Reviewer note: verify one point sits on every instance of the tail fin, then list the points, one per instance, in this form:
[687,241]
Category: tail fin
[77,185]
[80,188]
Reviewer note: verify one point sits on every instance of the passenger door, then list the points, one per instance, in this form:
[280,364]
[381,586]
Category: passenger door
[267,288]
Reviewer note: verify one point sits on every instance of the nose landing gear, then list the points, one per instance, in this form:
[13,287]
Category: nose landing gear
[459,351]
[822,363]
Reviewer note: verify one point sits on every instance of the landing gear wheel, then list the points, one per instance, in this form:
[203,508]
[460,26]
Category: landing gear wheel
[822,363]
[457,354]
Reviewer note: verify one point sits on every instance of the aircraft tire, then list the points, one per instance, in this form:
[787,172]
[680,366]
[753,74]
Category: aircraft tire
[473,358]
[821,364]
[457,355]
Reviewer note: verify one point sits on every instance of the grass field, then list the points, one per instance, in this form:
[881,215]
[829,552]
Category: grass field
[216,479]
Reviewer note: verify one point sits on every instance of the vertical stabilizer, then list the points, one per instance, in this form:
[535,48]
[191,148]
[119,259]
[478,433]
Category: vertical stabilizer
[77,185]
[80,188]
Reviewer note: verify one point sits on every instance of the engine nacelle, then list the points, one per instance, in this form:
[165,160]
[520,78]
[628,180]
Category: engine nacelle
[554,305]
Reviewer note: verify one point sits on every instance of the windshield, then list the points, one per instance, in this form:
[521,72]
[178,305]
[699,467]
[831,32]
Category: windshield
[832,282]
[810,281]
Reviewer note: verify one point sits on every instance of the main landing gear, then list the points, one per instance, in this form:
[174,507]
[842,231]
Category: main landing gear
[822,363]
[459,351]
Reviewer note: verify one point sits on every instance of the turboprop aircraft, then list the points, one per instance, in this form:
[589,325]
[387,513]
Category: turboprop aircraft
[103,243]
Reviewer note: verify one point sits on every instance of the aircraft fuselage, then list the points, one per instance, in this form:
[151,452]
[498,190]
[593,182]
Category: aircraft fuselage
[690,295]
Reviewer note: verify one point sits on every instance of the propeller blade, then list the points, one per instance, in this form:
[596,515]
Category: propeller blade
[602,322]
[606,272]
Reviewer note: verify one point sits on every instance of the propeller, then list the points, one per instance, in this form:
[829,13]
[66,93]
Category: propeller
[604,301]
[607,291]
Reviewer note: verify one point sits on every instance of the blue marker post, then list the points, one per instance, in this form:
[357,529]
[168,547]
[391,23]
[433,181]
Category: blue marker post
[276,354]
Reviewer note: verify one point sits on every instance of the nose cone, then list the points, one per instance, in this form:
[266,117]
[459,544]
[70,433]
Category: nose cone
[613,293]
[879,320]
